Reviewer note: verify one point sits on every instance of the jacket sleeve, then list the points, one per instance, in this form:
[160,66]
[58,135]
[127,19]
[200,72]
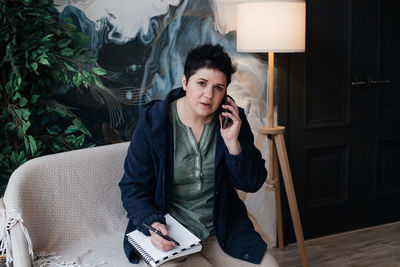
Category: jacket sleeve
[138,183]
[247,170]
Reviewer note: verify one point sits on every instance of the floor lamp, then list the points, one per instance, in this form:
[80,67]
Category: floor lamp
[275,26]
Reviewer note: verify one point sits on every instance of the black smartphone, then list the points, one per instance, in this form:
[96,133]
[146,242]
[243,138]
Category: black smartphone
[225,119]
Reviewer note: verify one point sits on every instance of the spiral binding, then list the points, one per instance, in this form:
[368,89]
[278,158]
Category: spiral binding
[142,253]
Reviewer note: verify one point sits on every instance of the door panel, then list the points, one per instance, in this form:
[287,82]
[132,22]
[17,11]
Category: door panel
[328,98]
[326,176]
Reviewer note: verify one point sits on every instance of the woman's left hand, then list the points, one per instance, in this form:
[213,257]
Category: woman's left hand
[231,133]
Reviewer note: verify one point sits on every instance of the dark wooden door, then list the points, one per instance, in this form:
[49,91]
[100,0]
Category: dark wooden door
[340,102]
[382,109]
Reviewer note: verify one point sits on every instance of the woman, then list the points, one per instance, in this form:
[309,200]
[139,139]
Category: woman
[182,161]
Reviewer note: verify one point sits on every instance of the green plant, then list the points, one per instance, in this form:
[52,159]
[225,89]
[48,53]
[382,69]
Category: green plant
[39,50]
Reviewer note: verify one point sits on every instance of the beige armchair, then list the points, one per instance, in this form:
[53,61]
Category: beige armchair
[68,204]
[67,207]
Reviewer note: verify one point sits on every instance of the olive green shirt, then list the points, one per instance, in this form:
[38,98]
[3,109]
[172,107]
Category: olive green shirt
[191,197]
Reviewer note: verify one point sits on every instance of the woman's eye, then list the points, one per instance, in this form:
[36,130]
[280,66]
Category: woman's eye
[202,83]
[219,88]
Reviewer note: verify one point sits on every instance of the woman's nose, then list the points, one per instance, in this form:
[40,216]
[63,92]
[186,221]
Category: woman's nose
[208,92]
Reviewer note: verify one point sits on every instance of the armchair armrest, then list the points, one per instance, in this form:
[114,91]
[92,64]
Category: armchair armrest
[15,249]
[19,245]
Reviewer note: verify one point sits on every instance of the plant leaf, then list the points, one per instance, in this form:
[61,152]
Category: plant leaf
[44,61]
[21,157]
[51,131]
[64,43]
[61,110]
[26,113]
[32,144]
[71,129]
[18,113]
[34,66]
[81,127]
[25,126]
[46,38]
[19,80]
[66,52]
[80,140]
[14,158]
[23,101]
[70,68]
[16,96]
[10,126]
[99,71]
[34,98]
[77,79]
[85,83]
[98,83]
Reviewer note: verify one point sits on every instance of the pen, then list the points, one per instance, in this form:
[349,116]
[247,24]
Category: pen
[160,234]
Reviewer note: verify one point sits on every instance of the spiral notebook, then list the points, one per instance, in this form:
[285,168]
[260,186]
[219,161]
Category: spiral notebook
[152,256]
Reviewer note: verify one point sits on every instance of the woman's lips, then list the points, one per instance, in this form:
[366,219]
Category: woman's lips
[206,105]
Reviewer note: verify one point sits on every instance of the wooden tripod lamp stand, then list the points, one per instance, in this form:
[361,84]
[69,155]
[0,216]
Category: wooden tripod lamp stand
[275,26]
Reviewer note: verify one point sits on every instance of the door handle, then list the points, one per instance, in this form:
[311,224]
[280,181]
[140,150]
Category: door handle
[369,82]
[358,83]
[383,81]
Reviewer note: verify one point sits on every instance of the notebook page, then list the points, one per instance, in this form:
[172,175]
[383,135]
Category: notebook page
[175,230]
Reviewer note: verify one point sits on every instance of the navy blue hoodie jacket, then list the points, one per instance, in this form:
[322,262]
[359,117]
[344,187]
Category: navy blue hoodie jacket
[149,173]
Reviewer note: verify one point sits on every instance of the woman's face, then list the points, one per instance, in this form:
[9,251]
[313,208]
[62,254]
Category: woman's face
[205,90]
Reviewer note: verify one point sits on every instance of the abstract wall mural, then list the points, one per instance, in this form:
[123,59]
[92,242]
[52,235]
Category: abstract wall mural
[142,44]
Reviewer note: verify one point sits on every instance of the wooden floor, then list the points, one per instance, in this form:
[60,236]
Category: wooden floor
[377,246]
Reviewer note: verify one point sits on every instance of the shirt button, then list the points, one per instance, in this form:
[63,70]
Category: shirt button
[216,193]
[246,256]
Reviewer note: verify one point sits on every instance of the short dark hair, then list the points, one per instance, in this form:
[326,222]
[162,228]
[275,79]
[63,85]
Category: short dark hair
[209,56]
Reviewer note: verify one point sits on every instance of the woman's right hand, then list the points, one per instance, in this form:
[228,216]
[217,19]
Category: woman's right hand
[159,242]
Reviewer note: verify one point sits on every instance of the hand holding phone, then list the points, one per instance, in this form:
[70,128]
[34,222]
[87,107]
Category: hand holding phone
[225,119]
[230,126]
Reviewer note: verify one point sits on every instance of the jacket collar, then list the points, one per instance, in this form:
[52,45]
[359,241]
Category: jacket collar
[154,115]
[155,121]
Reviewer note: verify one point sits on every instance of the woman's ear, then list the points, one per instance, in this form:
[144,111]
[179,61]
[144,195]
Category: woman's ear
[184,82]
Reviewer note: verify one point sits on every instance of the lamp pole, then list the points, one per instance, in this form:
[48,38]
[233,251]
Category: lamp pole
[273,168]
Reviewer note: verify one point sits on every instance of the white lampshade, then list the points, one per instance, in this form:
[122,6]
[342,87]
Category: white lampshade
[271,26]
